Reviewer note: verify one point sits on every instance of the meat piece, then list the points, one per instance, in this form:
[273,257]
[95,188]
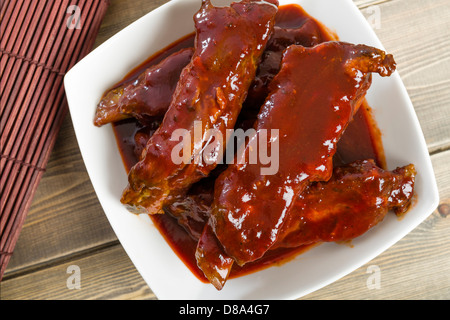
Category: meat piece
[308,33]
[312,100]
[211,258]
[210,92]
[355,199]
[193,210]
[148,96]
[142,136]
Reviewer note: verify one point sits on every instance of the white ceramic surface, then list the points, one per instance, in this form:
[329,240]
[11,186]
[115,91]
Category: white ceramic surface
[164,272]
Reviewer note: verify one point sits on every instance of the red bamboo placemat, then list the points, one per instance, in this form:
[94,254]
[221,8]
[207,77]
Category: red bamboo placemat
[40,41]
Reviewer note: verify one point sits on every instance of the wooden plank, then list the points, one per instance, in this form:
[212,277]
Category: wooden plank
[418,34]
[362,4]
[106,275]
[123,13]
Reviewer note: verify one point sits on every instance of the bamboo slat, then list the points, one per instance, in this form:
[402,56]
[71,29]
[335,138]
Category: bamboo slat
[41,41]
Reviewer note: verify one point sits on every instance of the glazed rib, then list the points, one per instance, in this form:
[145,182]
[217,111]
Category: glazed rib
[312,100]
[211,89]
[148,96]
[354,200]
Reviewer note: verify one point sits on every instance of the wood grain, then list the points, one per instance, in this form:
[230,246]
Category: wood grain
[67,226]
[105,275]
[418,34]
[362,4]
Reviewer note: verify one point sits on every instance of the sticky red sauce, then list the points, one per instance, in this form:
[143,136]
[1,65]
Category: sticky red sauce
[362,140]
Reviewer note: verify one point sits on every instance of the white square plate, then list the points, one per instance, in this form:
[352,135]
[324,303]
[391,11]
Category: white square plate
[160,267]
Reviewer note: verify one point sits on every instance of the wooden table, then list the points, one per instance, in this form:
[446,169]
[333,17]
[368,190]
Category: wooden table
[67,226]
